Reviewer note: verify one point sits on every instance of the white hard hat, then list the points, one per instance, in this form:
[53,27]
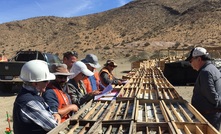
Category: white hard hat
[36,71]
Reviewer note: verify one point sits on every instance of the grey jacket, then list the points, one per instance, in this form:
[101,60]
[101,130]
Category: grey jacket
[77,96]
[207,89]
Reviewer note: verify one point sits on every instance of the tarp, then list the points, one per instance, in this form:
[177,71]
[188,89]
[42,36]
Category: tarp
[180,73]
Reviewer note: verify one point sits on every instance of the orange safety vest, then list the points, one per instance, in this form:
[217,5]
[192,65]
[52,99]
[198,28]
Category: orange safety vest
[62,100]
[109,74]
[87,82]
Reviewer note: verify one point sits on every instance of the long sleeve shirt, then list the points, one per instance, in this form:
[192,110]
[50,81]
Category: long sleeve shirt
[106,79]
[35,111]
[52,99]
[77,92]
[31,114]
[207,89]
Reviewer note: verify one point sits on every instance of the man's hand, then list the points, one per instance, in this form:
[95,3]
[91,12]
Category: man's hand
[95,92]
[119,82]
[57,117]
[73,107]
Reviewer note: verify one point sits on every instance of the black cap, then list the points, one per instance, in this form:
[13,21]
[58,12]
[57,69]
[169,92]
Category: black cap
[190,55]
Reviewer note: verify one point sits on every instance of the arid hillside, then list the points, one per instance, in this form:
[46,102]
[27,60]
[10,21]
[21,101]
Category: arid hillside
[136,30]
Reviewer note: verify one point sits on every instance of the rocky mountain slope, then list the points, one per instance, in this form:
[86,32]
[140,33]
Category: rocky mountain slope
[136,30]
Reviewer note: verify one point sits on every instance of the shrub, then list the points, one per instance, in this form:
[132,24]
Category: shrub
[106,47]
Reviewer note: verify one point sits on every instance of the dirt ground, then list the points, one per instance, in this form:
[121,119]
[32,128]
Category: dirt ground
[7,100]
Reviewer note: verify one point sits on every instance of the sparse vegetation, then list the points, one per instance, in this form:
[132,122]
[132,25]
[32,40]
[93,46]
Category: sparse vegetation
[106,47]
[141,56]
[120,28]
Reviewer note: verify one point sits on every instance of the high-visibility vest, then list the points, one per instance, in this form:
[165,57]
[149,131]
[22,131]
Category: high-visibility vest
[87,82]
[109,74]
[63,100]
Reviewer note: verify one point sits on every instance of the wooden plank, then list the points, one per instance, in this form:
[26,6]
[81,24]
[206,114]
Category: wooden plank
[196,113]
[92,110]
[137,110]
[170,94]
[176,113]
[99,111]
[108,114]
[120,129]
[78,113]
[84,129]
[118,110]
[187,131]
[185,114]
[159,130]
[155,113]
[73,128]
[164,112]
[61,126]
[147,130]
[109,130]
[126,109]
[131,94]
[198,130]
[165,95]
[145,112]
[126,92]
[175,127]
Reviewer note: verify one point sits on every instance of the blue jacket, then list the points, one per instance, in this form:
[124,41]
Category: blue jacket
[207,89]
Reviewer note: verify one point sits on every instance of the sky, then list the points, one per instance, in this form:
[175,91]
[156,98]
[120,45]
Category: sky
[13,10]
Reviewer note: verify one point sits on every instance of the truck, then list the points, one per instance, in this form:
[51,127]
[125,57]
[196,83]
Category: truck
[10,70]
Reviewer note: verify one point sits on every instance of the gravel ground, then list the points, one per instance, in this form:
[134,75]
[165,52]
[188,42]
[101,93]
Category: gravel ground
[6,103]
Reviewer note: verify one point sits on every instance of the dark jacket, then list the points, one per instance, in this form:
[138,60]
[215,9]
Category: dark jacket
[107,78]
[207,89]
[20,126]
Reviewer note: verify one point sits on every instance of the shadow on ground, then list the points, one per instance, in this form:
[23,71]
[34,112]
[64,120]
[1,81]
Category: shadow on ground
[126,72]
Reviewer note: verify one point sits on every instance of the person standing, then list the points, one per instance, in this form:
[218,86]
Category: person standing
[31,114]
[69,58]
[106,75]
[207,88]
[56,98]
[92,82]
[75,87]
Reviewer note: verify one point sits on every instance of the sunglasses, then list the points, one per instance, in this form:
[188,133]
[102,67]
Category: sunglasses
[61,76]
